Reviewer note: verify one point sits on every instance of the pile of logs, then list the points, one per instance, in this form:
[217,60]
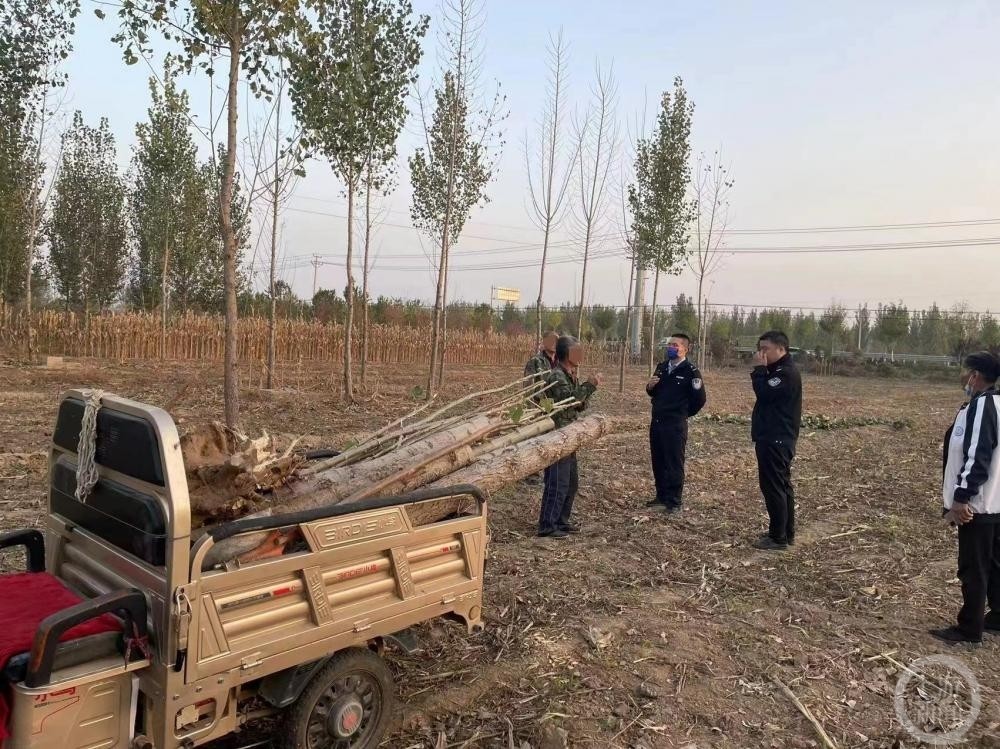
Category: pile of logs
[489,439]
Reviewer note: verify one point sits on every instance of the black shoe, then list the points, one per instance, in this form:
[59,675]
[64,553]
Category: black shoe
[672,509]
[790,542]
[955,635]
[570,528]
[769,544]
[992,625]
[557,533]
[654,503]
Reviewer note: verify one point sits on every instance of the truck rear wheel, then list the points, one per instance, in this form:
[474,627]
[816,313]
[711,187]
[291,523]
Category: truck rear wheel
[347,705]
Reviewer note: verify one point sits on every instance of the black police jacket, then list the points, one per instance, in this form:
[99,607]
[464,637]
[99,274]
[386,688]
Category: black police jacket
[777,414]
[680,393]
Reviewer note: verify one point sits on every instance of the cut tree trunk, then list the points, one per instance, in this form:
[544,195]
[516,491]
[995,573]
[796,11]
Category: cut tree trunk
[336,484]
[402,470]
[511,464]
[431,458]
[520,434]
[437,465]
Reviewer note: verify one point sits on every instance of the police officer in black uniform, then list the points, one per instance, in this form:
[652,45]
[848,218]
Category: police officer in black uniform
[774,428]
[678,393]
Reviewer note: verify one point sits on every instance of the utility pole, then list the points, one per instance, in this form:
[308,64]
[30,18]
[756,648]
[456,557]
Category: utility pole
[315,265]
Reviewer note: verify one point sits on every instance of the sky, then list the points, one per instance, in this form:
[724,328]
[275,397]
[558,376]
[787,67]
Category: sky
[848,114]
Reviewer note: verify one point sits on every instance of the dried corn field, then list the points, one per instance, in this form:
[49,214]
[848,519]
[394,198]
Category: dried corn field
[123,336]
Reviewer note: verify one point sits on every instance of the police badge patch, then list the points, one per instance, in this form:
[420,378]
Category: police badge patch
[774,382]
[696,383]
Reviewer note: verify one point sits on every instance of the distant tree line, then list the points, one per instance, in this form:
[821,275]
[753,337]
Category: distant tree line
[888,328]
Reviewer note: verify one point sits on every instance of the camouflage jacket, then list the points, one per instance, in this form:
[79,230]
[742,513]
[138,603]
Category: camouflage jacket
[565,385]
[539,365]
[538,368]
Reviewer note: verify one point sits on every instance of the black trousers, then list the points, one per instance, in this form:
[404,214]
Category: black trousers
[561,481]
[979,571]
[667,442]
[774,470]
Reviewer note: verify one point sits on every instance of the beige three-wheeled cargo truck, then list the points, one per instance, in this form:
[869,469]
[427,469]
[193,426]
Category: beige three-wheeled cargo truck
[119,636]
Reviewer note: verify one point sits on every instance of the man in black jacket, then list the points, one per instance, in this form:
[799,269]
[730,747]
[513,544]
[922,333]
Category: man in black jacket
[777,415]
[677,392]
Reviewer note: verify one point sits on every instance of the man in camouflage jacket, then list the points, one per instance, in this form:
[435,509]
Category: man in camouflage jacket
[539,365]
[538,368]
[561,478]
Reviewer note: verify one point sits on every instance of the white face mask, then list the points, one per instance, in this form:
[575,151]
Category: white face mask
[969,391]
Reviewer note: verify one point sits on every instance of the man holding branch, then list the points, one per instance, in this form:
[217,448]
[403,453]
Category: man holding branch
[561,478]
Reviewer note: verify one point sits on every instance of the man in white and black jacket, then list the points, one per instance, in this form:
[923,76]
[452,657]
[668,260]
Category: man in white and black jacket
[971,494]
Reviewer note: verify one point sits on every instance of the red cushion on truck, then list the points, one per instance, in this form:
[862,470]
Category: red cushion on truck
[25,600]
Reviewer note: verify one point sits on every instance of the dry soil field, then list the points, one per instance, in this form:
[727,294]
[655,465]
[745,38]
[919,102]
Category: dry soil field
[644,631]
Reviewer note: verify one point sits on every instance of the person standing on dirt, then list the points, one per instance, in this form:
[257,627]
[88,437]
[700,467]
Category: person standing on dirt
[774,429]
[561,478]
[971,494]
[538,367]
[677,393]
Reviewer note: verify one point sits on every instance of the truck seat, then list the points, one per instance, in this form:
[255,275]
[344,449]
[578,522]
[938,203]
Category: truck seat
[26,599]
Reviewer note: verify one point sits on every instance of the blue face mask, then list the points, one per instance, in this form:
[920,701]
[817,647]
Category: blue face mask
[672,352]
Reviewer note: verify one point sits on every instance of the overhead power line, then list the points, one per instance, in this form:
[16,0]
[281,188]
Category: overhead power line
[520,247]
[850,311]
[749,230]
[869,227]
[618,252]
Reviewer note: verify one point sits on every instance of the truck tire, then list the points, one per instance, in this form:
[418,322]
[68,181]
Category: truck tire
[346,705]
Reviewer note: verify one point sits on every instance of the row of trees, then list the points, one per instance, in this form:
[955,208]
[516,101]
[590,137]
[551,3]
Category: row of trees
[172,232]
[347,68]
[666,220]
[151,238]
[885,328]
[35,36]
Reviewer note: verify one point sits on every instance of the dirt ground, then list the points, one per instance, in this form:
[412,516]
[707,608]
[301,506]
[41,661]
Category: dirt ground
[645,630]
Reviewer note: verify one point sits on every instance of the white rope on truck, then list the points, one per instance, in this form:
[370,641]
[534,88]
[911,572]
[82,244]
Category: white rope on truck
[86,449]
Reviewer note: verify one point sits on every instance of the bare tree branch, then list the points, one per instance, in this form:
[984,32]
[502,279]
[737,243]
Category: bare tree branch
[597,136]
[710,203]
[549,185]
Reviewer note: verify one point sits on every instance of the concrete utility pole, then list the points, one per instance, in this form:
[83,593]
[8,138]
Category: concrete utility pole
[315,265]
